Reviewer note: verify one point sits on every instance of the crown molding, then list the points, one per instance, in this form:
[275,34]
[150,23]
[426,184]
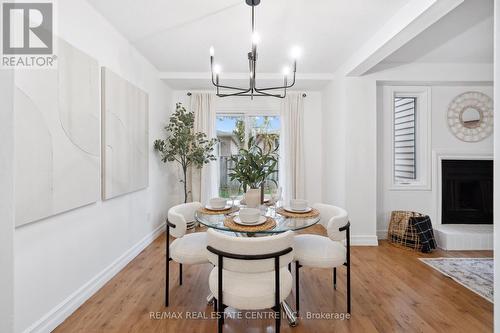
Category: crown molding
[242,76]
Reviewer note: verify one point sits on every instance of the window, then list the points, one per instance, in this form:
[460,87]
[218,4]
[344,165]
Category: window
[405,153]
[233,131]
[231,135]
[408,114]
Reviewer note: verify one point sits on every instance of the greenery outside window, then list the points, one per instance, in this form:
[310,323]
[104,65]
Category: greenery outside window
[233,132]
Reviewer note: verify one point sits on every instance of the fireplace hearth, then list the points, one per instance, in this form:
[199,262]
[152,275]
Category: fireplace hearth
[467,192]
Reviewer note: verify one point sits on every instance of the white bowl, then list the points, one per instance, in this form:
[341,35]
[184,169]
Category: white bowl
[249,215]
[298,204]
[218,203]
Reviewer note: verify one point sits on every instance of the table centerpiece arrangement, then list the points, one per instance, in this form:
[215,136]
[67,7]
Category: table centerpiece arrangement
[252,167]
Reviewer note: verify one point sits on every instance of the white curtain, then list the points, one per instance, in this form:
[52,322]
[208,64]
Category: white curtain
[204,182]
[292,147]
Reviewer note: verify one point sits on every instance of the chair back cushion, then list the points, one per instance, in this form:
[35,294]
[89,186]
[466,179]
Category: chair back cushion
[250,245]
[332,218]
[180,215]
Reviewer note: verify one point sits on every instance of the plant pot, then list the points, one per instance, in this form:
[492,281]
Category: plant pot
[253,197]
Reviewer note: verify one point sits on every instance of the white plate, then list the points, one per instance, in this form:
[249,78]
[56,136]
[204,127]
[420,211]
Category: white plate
[217,209]
[291,210]
[262,220]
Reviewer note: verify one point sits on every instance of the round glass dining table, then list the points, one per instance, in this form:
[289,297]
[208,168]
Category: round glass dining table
[282,223]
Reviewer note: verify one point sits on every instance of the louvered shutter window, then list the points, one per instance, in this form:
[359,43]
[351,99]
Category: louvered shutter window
[405,153]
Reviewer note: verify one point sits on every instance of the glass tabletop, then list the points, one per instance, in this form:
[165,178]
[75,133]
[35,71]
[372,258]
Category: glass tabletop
[282,223]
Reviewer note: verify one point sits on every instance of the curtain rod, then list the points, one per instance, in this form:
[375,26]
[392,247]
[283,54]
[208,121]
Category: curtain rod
[189,94]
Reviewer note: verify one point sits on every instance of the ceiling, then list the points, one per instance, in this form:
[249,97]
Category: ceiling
[463,36]
[176,35]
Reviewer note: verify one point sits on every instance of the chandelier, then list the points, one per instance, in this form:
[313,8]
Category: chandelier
[252,90]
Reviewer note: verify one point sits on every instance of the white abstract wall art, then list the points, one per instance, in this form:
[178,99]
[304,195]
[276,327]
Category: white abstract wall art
[56,136]
[125,136]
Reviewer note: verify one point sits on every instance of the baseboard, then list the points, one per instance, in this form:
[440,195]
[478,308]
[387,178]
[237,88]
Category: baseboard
[64,309]
[382,234]
[364,240]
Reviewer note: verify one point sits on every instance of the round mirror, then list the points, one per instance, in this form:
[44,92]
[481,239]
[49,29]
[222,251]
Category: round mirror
[471,117]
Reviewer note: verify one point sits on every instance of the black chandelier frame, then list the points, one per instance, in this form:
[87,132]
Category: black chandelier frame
[252,91]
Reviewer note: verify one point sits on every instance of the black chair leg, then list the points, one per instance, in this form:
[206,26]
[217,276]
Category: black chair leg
[223,312]
[220,322]
[167,276]
[180,274]
[297,288]
[335,278]
[215,305]
[167,261]
[348,266]
[278,318]
[220,298]
[349,287]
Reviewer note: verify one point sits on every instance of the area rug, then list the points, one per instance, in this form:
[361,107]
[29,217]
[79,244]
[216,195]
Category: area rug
[475,274]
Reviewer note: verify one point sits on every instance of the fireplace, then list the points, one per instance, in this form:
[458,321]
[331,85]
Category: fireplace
[467,192]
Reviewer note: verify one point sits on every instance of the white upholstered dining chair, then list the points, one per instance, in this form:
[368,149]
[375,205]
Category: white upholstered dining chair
[186,248]
[325,252]
[251,272]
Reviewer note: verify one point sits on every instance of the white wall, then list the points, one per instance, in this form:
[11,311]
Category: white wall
[334,143]
[61,260]
[351,103]
[361,167]
[350,153]
[6,202]
[443,141]
[312,131]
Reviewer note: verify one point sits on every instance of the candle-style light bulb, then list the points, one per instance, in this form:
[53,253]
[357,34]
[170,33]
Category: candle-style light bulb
[255,38]
[217,69]
[212,51]
[295,52]
[286,71]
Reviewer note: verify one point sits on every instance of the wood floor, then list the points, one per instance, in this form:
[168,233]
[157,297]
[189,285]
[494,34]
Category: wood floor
[392,291]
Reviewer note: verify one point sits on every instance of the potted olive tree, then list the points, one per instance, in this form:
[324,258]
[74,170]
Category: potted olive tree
[252,167]
[185,146]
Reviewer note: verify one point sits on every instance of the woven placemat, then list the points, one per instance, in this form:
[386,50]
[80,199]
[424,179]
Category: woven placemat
[313,213]
[205,211]
[268,225]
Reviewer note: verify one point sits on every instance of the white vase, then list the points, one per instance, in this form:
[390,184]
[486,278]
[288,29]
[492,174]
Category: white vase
[252,198]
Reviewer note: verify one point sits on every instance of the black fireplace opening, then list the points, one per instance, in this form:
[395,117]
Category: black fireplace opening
[467,192]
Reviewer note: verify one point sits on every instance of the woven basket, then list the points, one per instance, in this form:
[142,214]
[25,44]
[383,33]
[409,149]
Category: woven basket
[401,232]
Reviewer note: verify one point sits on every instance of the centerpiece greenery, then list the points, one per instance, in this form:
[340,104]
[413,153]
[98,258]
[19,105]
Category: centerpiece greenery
[253,165]
[185,146]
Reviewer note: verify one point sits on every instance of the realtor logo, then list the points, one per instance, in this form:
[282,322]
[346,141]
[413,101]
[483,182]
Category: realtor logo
[27,29]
